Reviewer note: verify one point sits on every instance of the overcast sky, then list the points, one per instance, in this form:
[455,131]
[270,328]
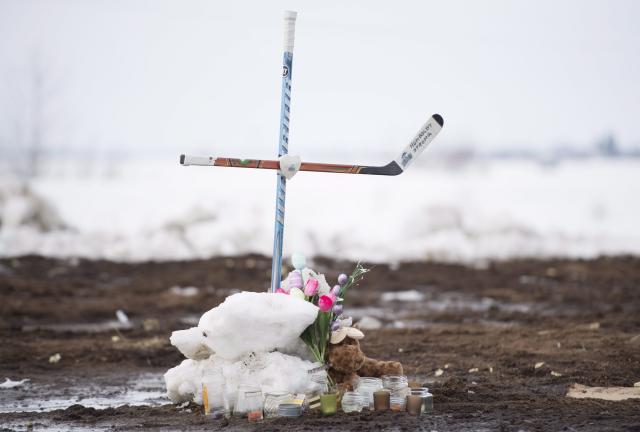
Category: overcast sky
[185,76]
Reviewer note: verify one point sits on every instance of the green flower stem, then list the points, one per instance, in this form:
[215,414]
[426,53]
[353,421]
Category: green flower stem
[317,335]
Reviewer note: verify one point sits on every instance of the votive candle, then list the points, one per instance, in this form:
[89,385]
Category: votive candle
[414,405]
[381,400]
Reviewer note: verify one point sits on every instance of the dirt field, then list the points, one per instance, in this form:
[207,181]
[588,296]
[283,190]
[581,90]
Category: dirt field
[484,328]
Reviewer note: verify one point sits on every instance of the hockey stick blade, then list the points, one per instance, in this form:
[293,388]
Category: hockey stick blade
[423,138]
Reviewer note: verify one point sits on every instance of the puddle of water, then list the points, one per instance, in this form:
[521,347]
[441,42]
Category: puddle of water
[191,320]
[144,389]
[457,302]
[50,427]
[375,312]
[102,327]
[405,309]
[403,296]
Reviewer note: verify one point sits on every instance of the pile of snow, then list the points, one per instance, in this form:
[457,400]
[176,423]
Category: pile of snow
[239,338]
[272,371]
[245,323]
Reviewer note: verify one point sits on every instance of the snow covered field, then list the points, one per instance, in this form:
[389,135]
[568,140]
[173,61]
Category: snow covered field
[141,210]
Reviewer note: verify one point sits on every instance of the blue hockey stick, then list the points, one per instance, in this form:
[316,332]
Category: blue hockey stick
[283,147]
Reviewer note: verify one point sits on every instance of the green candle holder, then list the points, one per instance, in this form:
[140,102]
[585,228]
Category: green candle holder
[329,403]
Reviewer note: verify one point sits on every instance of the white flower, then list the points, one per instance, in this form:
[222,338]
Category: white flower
[323,286]
[345,322]
[285,284]
[308,273]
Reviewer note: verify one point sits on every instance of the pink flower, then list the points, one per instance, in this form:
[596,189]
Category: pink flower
[333,297]
[281,291]
[325,303]
[311,288]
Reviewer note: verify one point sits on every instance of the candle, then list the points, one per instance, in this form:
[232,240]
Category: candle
[329,403]
[381,400]
[254,416]
[427,398]
[414,405]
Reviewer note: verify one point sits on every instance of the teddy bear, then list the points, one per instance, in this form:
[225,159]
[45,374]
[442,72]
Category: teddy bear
[349,362]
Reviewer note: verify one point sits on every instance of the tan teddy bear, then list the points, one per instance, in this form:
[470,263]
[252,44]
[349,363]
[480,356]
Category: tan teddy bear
[348,361]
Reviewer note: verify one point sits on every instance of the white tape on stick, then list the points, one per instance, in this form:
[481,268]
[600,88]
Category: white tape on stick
[289,165]
[289,30]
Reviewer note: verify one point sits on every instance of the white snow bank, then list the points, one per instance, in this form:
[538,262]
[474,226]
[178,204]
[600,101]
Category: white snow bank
[244,323]
[464,212]
[269,371]
[21,207]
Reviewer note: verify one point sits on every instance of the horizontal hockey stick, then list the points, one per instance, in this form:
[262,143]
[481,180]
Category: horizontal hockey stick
[423,138]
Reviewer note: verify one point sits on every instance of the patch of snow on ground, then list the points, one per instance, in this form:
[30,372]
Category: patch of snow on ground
[189,291]
[9,383]
[477,211]
[404,296]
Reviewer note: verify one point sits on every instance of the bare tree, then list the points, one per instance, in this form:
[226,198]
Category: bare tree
[37,125]
[28,99]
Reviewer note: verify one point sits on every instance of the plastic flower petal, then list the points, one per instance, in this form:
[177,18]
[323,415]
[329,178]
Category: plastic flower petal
[297,292]
[323,286]
[337,309]
[294,279]
[284,285]
[307,274]
[298,261]
[311,287]
[325,303]
[345,322]
[281,291]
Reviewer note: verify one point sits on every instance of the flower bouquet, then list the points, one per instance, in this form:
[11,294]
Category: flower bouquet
[308,285]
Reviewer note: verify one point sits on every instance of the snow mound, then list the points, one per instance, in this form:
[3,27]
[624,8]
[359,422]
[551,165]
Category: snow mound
[269,371]
[245,323]
[22,208]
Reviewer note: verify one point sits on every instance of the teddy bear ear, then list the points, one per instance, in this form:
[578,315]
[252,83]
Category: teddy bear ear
[354,333]
[338,335]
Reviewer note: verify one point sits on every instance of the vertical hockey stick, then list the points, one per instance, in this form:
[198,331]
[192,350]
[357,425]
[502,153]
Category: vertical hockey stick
[283,147]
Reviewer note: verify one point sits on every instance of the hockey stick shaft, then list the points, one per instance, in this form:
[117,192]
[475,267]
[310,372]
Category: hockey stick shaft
[283,147]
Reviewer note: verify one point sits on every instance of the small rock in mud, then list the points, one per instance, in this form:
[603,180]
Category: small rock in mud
[453,386]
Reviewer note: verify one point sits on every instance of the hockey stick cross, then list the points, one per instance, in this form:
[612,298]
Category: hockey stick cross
[286,168]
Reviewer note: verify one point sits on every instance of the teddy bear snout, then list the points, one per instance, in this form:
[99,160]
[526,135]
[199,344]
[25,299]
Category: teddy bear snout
[347,359]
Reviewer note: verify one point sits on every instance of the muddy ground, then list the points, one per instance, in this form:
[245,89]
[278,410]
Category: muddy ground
[485,328]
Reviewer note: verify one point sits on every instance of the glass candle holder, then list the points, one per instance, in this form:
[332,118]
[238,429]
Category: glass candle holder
[352,402]
[427,398]
[382,400]
[367,386]
[393,382]
[246,400]
[318,382]
[213,384]
[272,401]
[253,400]
[329,403]
[398,403]
[414,405]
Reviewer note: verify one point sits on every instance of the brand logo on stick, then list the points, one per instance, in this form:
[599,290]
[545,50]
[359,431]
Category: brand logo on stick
[285,71]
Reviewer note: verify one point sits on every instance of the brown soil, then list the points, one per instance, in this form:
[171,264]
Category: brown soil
[581,318]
